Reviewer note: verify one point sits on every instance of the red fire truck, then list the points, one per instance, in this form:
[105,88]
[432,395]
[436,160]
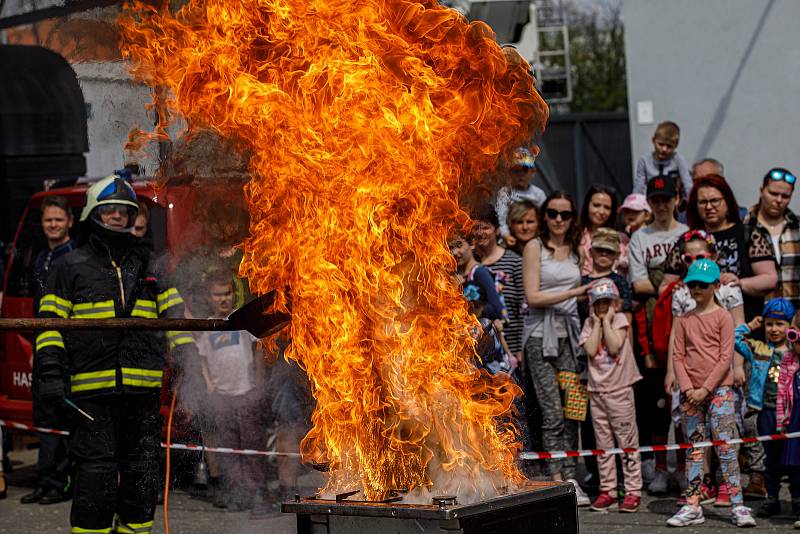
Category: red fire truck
[175,229]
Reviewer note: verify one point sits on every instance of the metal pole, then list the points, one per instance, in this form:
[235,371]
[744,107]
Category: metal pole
[197,325]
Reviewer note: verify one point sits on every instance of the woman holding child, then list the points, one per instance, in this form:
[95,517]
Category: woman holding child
[551,276]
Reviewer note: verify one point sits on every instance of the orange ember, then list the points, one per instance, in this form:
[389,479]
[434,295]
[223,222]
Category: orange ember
[365,119]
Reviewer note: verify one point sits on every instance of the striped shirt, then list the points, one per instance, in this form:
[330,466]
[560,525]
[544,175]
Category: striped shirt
[507,272]
[789,254]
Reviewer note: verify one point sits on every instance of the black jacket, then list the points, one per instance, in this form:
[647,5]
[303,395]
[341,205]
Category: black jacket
[89,283]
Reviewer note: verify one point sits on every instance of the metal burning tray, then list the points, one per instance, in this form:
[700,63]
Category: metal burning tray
[550,506]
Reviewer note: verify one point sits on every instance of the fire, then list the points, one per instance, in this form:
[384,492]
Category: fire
[365,119]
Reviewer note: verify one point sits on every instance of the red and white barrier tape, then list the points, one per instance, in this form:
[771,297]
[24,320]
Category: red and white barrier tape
[181,446]
[523,455]
[21,426]
[654,448]
[228,450]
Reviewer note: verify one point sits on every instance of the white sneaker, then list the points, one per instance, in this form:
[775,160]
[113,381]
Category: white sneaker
[742,516]
[648,470]
[580,495]
[660,483]
[686,516]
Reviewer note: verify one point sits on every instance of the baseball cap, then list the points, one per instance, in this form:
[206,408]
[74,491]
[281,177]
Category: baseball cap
[702,270]
[661,186]
[603,288]
[522,157]
[606,238]
[635,202]
[778,308]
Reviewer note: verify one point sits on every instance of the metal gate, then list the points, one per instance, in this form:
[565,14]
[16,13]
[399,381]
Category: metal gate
[581,149]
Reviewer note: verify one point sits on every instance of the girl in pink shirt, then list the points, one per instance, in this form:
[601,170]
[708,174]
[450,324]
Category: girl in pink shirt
[612,373]
[702,358]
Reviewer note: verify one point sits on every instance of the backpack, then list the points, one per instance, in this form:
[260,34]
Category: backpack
[662,324]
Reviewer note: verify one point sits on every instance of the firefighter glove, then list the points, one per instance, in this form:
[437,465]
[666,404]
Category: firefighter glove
[53,388]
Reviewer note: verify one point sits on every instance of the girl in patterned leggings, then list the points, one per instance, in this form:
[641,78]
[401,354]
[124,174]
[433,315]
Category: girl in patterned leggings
[702,359]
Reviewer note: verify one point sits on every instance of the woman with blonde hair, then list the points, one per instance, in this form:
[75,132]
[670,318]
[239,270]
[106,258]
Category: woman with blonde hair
[523,223]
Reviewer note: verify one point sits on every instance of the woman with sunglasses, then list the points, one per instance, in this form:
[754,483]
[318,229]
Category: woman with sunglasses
[702,358]
[551,332]
[772,214]
[599,210]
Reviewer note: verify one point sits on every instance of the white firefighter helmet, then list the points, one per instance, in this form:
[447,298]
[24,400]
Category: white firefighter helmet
[110,191]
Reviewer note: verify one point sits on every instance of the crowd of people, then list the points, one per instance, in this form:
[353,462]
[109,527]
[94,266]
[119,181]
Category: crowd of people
[676,307]
[672,311]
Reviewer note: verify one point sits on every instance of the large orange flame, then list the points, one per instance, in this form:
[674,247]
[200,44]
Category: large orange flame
[365,119]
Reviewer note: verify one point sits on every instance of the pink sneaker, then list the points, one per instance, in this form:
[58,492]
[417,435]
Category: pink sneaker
[723,497]
[604,502]
[630,504]
[707,494]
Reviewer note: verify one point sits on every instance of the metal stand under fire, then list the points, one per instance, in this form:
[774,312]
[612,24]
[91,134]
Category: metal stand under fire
[543,506]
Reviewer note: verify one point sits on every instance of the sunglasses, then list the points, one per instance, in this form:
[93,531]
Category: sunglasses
[792,334]
[697,285]
[554,214]
[689,259]
[787,177]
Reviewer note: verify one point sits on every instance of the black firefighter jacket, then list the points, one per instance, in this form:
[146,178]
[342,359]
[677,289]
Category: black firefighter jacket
[88,284]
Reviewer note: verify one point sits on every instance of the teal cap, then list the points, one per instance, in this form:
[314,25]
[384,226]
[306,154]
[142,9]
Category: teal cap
[703,270]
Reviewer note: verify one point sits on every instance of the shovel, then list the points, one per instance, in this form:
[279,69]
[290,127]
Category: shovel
[252,317]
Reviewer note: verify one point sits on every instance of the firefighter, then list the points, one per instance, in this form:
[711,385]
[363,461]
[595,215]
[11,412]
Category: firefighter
[114,376]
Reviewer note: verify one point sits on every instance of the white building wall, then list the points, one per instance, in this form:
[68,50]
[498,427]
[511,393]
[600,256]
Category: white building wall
[115,105]
[728,72]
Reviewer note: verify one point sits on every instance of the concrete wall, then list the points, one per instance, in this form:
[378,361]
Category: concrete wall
[115,106]
[728,72]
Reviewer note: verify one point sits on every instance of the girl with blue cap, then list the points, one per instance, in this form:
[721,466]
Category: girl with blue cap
[703,360]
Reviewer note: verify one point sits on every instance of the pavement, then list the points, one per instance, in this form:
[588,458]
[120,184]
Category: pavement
[191,514]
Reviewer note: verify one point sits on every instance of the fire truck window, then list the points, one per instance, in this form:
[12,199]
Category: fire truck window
[158,228]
